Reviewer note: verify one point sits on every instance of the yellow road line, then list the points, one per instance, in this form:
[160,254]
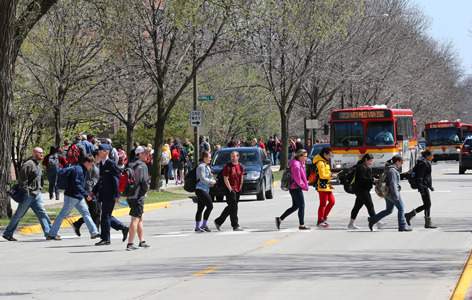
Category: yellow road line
[464,281]
[210,269]
[116,213]
[269,243]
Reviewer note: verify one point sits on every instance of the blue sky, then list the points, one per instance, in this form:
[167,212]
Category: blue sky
[451,21]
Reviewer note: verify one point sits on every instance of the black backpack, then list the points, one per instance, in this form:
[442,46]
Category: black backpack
[412,177]
[286,180]
[349,180]
[53,162]
[190,181]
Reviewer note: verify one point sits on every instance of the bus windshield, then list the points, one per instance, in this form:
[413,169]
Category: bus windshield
[442,136]
[347,134]
[379,133]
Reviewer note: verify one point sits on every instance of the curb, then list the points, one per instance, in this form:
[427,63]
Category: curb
[33,229]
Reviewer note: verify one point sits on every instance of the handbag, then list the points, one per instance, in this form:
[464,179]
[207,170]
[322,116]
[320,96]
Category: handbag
[16,193]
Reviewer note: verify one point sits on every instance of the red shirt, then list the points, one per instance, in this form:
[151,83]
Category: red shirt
[235,174]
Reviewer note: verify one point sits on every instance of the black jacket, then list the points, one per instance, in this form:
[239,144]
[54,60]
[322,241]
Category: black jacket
[423,175]
[364,180]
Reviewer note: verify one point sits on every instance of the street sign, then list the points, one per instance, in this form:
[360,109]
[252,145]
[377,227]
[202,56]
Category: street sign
[206,98]
[312,124]
[196,117]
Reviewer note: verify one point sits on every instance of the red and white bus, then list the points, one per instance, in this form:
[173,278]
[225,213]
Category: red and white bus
[444,138]
[378,130]
[466,130]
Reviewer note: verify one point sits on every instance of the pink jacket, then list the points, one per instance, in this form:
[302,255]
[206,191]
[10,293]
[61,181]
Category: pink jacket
[298,175]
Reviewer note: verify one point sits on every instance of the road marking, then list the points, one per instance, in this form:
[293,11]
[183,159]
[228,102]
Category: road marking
[464,281]
[269,243]
[210,269]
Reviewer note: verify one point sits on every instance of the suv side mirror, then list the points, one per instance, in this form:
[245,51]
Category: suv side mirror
[399,137]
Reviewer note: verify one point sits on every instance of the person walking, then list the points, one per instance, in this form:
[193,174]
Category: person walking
[30,181]
[233,178]
[74,198]
[165,162]
[113,155]
[53,162]
[108,195]
[202,190]
[136,202]
[179,161]
[91,179]
[425,183]
[363,184]
[190,153]
[323,185]
[299,184]
[393,198]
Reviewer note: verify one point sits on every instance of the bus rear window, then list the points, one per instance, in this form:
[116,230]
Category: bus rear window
[347,134]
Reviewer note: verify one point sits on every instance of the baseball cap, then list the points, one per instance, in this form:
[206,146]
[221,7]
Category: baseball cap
[108,141]
[139,149]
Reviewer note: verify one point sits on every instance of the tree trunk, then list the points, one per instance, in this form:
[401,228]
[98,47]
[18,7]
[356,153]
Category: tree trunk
[58,124]
[129,137]
[284,140]
[7,21]
[158,142]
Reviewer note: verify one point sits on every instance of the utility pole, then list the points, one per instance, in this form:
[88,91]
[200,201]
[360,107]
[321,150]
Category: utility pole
[196,155]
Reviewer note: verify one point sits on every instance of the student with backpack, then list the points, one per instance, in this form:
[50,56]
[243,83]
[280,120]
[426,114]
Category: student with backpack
[165,161]
[76,152]
[323,185]
[424,183]
[233,174]
[53,162]
[298,185]
[202,191]
[363,183]
[179,160]
[393,198]
[122,157]
[74,195]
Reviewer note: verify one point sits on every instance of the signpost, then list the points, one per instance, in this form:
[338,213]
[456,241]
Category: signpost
[196,118]
[312,124]
[206,98]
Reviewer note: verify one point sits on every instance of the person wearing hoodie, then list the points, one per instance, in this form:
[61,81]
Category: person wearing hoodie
[323,185]
[299,184]
[179,160]
[393,197]
[425,183]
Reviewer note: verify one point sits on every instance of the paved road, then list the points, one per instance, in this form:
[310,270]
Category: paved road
[260,263]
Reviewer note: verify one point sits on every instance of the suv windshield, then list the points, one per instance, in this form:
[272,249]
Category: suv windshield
[347,134]
[379,133]
[442,136]
[247,158]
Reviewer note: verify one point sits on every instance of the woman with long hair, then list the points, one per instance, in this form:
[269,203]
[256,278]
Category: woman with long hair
[425,184]
[363,183]
[323,185]
[299,184]
[204,180]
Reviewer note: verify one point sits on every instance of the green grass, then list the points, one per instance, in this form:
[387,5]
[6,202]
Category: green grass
[278,175]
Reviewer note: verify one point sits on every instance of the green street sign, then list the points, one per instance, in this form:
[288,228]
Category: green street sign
[206,98]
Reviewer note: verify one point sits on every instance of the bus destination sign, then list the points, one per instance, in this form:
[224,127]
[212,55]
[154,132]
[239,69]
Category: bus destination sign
[442,125]
[361,114]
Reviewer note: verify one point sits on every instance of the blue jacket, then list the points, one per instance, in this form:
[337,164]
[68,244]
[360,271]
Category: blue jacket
[203,177]
[107,186]
[76,184]
[88,147]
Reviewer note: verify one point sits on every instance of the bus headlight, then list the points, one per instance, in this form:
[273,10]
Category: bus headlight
[338,166]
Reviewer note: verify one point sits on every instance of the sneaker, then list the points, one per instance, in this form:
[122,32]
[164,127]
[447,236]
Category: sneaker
[95,236]
[304,228]
[238,228]
[322,224]
[199,230]
[76,228]
[353,227]
[370,224]
[125,233]
[55,238]
[51,198]
[131,247]
[143,244]
[205,228]
[167,184]
[217,226]
[57,197]
[277,223]
[405,229]
[381,225]
[103,243]
[176,183]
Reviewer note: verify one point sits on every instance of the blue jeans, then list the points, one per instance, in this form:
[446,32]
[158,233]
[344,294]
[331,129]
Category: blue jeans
[273,157]
[52,174]
[69,204]
[390,204]
[36,204]
[171,171]
[298,202]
